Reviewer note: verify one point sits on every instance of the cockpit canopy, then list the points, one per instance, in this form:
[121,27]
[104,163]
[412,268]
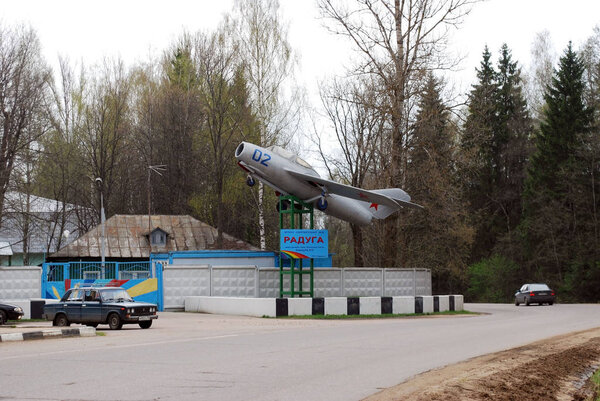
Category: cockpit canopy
[290,156]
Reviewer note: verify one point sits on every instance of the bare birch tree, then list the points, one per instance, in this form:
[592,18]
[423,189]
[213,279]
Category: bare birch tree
[269,68]
[224,97]
[539,76]
[105,127]
[352,111]
[397,42]
[23,82]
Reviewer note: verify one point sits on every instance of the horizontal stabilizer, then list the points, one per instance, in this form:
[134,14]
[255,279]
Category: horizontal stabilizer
[397,194]
[383,211]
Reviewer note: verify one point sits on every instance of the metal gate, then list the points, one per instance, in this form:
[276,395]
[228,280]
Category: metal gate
[136,277]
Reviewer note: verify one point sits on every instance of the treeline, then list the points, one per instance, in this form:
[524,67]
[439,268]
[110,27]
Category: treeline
[186,110]
[510,195]
[508,182]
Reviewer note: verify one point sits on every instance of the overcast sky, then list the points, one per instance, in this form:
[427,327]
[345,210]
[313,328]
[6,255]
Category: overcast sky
[132,29]
[90,29]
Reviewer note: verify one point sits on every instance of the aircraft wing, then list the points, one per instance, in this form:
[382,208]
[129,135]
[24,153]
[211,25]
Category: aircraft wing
[258,175]
[352,192]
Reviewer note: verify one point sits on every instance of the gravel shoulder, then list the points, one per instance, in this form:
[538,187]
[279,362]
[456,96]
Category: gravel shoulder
[554,369]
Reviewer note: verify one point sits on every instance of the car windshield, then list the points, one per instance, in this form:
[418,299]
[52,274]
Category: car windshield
[116,295]
[538,287]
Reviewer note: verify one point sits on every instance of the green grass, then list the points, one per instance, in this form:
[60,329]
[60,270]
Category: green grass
[383,316]
[596,382]
[29,320]
[100,334]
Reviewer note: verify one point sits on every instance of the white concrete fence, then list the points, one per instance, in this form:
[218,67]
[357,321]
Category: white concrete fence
[181,281]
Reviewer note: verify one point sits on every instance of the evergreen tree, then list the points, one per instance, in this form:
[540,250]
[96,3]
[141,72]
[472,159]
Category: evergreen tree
[439,236]
[565,118]
[510,146]
[558,208]
[477,153]
[494,149]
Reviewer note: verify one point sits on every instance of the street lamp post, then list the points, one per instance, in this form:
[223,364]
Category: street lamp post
[103,234]
[158,169]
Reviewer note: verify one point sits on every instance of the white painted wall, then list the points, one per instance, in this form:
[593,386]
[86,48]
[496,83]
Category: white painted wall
[231,306]
[444,303]
[299,306]
[370,305]
[427,304]
[403,304]
[336,306]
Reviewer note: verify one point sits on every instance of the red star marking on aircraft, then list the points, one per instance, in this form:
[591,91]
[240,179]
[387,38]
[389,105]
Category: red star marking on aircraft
[375,205]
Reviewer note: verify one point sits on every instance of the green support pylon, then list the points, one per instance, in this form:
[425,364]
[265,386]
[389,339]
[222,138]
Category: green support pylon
[296,210]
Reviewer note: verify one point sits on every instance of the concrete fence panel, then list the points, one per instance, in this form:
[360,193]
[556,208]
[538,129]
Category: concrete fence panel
[328,283]
[20,282]
[235,281]
[184,281]
[362,282]
[399,282]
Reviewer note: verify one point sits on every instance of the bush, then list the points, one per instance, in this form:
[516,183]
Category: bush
[581,283]
[493,280]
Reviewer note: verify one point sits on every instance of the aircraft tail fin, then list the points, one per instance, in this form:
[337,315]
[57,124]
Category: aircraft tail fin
[398,195]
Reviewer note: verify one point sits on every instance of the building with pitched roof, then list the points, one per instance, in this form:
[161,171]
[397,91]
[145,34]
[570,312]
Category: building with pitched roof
[33,226]
[133,237]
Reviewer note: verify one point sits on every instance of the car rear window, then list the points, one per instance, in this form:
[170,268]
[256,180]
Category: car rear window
[538,287]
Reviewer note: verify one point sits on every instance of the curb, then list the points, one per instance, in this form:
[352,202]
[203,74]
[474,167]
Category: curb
[50,333]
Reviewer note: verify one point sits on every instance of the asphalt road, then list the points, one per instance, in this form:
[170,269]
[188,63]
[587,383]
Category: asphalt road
[208,357]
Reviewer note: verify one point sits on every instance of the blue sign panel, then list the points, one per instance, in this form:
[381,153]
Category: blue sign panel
[304,244]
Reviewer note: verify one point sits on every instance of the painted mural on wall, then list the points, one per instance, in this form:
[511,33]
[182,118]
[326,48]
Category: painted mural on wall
[143,290]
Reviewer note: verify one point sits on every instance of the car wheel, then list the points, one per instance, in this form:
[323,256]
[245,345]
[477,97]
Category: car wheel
[517,303]
[550,303]
[3,318]
[61,321]
[527,301]
[114,322]
[146,325]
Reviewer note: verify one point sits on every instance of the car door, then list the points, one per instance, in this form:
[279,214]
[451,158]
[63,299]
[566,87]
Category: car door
[91,307]
[522,293]
[73,306]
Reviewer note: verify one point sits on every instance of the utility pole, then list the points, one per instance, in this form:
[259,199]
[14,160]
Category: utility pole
[158,169]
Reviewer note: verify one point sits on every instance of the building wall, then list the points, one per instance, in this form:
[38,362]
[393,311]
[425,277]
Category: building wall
[17,259]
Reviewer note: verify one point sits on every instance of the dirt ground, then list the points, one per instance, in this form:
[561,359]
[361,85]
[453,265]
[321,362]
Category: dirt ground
[555,369]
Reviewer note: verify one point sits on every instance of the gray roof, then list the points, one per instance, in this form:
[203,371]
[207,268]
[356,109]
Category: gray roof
[41,216]
[126,237]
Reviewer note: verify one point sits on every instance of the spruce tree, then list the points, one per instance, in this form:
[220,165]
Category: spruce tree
[477,152]
[565,118]
[494,149]
[510,144]
[556,192]
[439,235]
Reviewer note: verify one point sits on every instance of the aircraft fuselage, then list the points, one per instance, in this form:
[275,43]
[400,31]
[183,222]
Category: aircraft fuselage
[273,166]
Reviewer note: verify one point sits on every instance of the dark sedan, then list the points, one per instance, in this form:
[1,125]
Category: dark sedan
[10,312]
[534,294]
[94,306]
